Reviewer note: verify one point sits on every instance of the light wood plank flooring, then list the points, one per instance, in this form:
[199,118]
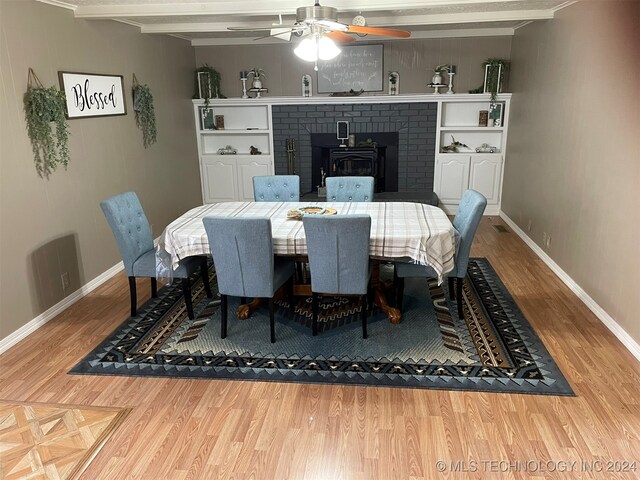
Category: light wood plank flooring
[188,429]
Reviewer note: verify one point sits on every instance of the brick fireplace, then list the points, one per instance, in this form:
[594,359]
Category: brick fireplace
[414,124]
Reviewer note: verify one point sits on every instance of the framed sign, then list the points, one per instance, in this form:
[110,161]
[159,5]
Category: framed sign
[93,94]
[358,67]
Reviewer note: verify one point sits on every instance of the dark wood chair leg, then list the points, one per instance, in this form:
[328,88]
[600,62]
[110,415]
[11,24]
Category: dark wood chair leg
[290,298]
[154,288]
[399,293]
[223,316]
[134,296]
[451,292]
[186,290]
[272,321]
[365,307]
[370,296]
[204,270]
[314,325]
[459,297]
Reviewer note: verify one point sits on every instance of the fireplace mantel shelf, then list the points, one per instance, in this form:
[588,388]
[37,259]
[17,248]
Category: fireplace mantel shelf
[408,98]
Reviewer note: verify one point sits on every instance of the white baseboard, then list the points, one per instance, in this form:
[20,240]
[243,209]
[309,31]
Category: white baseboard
[13,338]
[627,340]
[451,209]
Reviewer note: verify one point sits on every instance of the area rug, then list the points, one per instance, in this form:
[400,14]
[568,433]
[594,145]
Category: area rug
[493,349]
[50,441]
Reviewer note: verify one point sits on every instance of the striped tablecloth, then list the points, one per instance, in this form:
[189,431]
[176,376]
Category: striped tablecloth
[415,231]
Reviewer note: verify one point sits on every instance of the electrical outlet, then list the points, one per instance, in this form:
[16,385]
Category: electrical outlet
[549,241]
[529,225]
[544,238]
[65,280]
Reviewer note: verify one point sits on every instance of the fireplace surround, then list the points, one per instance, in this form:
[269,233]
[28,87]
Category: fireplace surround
[414,125]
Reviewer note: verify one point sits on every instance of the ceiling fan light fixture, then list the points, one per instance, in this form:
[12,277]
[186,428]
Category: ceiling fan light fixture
[327,49]
[306,49]
[316,47]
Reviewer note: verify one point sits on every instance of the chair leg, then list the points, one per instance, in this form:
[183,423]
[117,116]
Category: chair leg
[314,325]
[154,288]
[223,316]
[459,297]
[186,289]
[365,307]
[290,291]
[451,293]
[399,292]
[134,296]
[370,299]
[272,321]
[204,270]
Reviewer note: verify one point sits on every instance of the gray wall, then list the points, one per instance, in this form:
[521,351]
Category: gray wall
[54,226]
[412,59]
[573,155]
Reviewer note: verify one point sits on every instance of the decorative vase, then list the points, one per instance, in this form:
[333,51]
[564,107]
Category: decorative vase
[436,79]
[257,83]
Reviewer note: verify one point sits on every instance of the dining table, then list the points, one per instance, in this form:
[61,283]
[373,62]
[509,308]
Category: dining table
[400,231]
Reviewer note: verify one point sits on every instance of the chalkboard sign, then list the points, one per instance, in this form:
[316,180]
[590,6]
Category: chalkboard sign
[358,67]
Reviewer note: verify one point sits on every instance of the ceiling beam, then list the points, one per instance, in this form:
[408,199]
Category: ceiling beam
[454,33]
[271,7]
[400,21]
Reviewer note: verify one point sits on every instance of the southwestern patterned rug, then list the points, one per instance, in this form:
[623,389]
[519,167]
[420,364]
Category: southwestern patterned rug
[493,349]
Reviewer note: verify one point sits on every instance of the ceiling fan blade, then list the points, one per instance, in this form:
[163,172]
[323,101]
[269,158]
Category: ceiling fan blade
[279,33]
[340,37]
[257,29]
[387,32]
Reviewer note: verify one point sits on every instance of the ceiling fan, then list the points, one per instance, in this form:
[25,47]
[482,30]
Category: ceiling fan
[322,20]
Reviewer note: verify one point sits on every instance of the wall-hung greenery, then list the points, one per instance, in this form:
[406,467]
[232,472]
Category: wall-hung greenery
[47,126]
[207,84]
[145,113]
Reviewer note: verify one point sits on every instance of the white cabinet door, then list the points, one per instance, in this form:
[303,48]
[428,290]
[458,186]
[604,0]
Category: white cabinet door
[451,177]
[484,176]
[219,178]
[249,168]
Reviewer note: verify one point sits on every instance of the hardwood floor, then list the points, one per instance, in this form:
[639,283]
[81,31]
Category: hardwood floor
[188,429]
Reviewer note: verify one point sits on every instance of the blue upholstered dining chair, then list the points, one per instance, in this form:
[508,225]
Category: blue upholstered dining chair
[350,189]
[466,221]
[242,252]
[135,242]
[338,250]
[276,188]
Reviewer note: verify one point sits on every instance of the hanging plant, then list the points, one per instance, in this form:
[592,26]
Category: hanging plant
[145,113]
[47,125]
[207,89]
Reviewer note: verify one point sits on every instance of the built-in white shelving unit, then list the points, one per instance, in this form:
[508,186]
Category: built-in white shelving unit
[228,177]
[458,118]
[248,123]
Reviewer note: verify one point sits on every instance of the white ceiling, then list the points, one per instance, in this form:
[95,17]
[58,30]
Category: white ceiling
[205,22]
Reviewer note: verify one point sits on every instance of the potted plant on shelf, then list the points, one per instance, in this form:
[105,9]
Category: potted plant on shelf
[438,71]
[495,74]
[393,83]
[207,84]
[258,75]
[47,125]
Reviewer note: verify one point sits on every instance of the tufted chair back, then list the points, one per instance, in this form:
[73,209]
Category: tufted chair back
[338,250]
[470,210]
[276,188]
[350,189]
[130,227]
